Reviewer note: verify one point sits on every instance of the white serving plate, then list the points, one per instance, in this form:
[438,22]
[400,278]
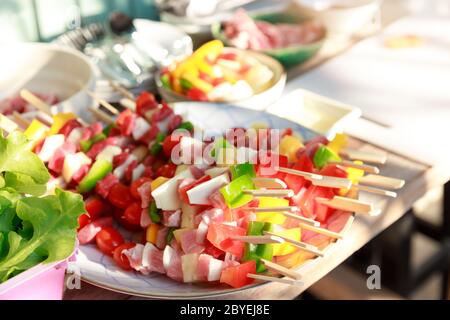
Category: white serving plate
[47,69]
[101,270]
[318,113]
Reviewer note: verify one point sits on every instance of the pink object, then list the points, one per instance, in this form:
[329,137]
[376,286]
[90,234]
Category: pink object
[42,282]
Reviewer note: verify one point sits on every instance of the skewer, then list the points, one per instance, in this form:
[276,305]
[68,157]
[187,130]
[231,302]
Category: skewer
[270,183]
[323,231]
[333,182]
[305,174]
[281,270]
[273,209]
[353,154]
[129,104]
[382,181]
[374,190]
[7,124]
[35,101]
[99,114]
[103,103]
[275,279]
[270,193]
[120,89]
[21,121]
[350,164]
[301,219]
[301,245]
[347,204]
[259,239]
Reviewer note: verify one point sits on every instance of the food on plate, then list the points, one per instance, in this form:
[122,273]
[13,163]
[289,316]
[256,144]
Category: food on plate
[194,222]
[33,229]
[215,73]
[243,32]
[17,104]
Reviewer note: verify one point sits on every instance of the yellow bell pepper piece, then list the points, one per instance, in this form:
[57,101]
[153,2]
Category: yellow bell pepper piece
[36,132]
[59,120]
[353,175]
[211,49]
[339,142]
[197,82]
[152,233]
[289,146]
[272,217]
[157,182]
[178,232]
[184,66]
[281,249]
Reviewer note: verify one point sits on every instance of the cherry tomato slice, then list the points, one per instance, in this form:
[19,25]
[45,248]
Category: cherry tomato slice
[83,220]
[167,170]
[108,239]
[120,196]
[94,207]
[196,95]
[135,186]
[122,260]
[132,214]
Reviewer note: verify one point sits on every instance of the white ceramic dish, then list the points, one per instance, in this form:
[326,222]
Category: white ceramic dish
[47,69]
[346,19]
[315,112]
[259,101]
[102,271]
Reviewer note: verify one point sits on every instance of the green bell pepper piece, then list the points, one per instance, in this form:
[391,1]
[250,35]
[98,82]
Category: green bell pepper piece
[108,128]
[85,145]
[186,85]
[169,236]
[220,143]
[242,169]
[153,213]
[258,251]
[187,125]
[98,137]
[98,171]
[165,80]
[232,192]
[156,148]
[324,155]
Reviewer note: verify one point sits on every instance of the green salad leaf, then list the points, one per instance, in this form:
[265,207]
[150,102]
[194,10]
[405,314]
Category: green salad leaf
[54,219]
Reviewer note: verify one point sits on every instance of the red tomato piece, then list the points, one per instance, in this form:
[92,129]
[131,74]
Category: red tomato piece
[95,207]
[119,159]
[145,102]
[83,220]
[294,182]
[334,171]
[228,56]
[135,186]
[122,260]
[213,251]
[171,141]
[311,208]
[167,170]
[219,235]
[69,126]
[125,121]
[237,276]
[196,95]
[132,214]
[120,196]
[108,239]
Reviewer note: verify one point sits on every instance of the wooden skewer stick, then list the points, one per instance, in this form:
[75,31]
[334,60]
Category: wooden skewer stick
[382,181]
[99,114]
[281,270]
[120,89]
[301,219]
[270,183]
[129,104]
[103,102]
[259,239]
[374,190]
[304,174]
[301,245]
[7,124]
[347,204]
[270,193]
[272,209]
[275,279]
[365,156]
[332,182]
[35,101]
[20,120]
[350,164]
[323,231]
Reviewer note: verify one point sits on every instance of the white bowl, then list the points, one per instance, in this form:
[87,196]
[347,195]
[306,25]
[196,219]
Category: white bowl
[47,69]
[346,19]
[315,112]
[258,101]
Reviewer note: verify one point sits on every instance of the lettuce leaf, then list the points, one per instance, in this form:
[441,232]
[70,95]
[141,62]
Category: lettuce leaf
[24,184]
[16,157]
[54,220]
